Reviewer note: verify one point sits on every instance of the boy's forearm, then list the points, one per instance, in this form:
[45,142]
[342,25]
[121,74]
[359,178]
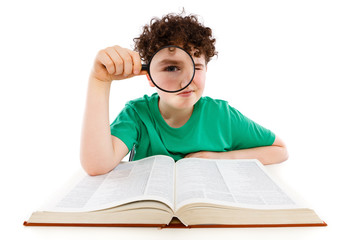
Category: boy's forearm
[266,155]
[97,152]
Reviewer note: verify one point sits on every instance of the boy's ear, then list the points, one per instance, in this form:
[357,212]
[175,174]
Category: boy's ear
[149,80]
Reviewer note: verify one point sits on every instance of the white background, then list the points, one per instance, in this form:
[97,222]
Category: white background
[292,66]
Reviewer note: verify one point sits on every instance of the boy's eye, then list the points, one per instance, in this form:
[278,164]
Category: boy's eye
[171,68]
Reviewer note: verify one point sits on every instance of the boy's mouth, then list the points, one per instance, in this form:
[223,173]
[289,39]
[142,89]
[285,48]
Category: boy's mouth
[186,93]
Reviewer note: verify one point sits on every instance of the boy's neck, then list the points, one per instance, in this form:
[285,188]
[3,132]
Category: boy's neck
[175,117]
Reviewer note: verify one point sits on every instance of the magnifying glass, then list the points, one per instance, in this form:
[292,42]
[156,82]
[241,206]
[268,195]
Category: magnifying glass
[171,69]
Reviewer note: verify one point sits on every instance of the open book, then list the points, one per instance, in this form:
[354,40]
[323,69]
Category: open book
[156,191]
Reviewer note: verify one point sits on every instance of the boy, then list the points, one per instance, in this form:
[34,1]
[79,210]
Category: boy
[182,124]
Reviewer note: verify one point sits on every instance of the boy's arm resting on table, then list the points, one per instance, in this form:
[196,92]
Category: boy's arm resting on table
[276,153]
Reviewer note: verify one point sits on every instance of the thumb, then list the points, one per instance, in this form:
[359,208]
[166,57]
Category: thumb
[143,72]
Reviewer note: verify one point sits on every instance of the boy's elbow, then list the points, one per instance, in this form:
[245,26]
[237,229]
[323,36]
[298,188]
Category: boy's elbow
[275,157]
[284,155]
[93,172]
[90,167]
[281,152]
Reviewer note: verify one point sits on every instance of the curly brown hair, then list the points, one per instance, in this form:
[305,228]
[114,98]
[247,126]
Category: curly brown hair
[175,29]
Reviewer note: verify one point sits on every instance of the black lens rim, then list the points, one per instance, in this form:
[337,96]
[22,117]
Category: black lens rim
[162,89]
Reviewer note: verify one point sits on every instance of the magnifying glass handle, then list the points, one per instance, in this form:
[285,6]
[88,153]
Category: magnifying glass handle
[144,67]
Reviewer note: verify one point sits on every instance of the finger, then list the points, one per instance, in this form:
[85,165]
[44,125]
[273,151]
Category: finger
[143,72]
[127,60]
[136,62]
[106,61]
[117,60]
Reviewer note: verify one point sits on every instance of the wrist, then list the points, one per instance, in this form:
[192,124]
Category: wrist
[98,89]
[93,81]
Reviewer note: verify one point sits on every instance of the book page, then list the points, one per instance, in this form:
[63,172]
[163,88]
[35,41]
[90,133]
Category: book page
[239,183]
[147,179]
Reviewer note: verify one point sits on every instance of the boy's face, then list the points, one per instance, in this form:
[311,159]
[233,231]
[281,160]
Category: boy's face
[187,98]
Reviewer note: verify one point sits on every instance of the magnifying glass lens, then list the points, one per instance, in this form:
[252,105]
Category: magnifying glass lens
[171,69]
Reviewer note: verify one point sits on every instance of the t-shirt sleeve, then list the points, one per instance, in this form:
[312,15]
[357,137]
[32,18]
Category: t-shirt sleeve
[125,126]
[247,133]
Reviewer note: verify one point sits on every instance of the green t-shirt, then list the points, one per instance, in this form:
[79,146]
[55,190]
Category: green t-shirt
[213,126]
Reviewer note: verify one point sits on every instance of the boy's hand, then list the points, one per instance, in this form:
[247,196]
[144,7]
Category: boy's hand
[116,63]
